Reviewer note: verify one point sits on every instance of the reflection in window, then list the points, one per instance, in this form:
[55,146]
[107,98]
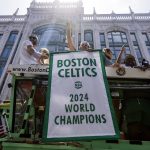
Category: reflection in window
[147,41]
[88,36]
[7,49]
[136,47]
[23,91]
[116,41]
[51,37]
[22,94]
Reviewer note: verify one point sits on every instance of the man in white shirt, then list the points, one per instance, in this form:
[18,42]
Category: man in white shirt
[28,53]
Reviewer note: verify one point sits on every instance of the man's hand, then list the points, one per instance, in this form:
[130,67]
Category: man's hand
[123,48]
[43,56]
[90,50]
[116,65]
[30,49]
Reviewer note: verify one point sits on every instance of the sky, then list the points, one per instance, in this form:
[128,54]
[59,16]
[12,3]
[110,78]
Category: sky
[8,7]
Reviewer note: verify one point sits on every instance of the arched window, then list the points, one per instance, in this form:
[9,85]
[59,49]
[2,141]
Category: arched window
[51,37]
[116,41]
[88,36]
[7,50]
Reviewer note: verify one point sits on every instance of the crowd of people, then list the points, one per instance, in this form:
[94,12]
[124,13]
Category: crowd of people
[29,54]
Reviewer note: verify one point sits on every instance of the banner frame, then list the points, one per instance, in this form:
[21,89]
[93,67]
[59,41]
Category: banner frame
[82,138]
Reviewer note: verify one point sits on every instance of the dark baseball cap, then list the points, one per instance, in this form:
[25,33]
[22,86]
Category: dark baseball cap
[33,36]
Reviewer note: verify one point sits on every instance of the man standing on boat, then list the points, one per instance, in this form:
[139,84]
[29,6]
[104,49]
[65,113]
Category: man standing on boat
[28,53]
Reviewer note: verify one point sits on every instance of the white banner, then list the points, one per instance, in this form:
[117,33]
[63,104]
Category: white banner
[28,69]
[78,104]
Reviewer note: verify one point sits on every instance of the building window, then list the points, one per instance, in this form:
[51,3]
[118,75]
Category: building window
[102,40]
[0,40]
[147,41]
[7,49]
[136,47]
[1,36]
[88,36]
[116,41]
[51,37]
[79,39]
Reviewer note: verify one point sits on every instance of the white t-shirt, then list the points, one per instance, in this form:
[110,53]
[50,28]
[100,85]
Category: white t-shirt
[25,57]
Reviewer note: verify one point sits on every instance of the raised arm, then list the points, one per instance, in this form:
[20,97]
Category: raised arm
[31,50]
[69,38]
[118,60]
